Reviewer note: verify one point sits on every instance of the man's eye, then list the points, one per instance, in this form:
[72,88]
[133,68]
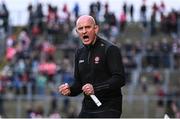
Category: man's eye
[80,28]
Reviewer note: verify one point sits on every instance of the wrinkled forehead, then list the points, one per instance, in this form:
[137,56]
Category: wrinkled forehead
[85,19]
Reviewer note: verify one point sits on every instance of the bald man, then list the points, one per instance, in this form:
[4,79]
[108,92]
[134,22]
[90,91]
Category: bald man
[98,71]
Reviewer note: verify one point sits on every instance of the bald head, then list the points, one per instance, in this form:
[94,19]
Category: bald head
[88,18]
[87,29]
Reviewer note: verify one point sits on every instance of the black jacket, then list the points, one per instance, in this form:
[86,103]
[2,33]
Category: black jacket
[100,65]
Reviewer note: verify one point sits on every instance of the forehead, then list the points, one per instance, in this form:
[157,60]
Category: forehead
[84,21]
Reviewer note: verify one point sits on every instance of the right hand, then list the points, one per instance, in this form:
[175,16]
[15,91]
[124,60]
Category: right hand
[64,89]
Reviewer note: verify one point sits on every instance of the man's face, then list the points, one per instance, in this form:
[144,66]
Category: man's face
[87,30]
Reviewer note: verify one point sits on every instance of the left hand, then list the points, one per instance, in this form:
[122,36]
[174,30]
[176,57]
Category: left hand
[88,89]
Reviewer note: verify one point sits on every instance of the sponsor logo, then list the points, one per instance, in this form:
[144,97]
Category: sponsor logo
[81,61]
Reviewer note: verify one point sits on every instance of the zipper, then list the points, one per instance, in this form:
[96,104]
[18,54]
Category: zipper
[89,56]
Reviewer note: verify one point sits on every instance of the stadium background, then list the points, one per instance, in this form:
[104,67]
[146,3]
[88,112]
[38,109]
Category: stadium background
[37,49]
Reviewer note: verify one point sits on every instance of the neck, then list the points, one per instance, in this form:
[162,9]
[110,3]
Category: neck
[93,41]
[91,45]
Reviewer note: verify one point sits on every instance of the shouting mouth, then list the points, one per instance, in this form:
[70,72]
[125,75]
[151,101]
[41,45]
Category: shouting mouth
[86,38]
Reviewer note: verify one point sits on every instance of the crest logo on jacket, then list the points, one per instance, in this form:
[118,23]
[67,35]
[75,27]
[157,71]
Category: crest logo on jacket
[96,60]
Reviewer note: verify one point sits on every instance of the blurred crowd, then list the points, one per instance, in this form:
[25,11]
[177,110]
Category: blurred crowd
[39,57]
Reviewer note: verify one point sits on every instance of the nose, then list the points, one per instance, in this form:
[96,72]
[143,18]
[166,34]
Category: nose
[84,31]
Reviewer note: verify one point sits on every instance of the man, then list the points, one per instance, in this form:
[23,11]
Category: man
[98,71]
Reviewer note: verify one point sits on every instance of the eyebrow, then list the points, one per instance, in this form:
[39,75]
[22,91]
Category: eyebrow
[88,26]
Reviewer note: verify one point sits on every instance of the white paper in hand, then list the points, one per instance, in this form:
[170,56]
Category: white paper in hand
[96,100]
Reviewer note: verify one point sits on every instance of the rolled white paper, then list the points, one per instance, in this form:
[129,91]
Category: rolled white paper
[96,100]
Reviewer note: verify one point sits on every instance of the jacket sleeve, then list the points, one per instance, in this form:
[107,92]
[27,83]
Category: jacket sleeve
[77,85]
[116,69]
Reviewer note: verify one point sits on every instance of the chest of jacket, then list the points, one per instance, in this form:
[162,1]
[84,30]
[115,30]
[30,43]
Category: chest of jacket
[92,65]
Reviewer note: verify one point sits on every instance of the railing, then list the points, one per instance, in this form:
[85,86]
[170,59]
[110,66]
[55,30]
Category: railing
[146,106]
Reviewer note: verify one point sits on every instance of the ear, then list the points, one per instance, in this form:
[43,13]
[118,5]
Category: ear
[96,28]
[76,30]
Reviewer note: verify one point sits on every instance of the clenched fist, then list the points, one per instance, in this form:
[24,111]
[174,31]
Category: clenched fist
[88,89]
[64,89]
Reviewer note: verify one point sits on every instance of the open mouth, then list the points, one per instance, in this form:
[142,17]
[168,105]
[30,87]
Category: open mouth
[85,37]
